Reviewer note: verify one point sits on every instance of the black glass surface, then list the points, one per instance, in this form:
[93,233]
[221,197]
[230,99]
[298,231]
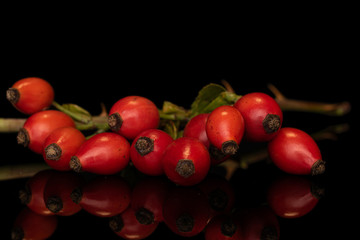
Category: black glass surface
[318,207]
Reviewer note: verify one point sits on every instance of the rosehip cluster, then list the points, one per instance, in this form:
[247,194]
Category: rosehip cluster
[208,138]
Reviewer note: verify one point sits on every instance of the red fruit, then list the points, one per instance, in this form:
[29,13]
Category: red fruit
[196,128]
[223,227]
[30,95]
[127,226]
[33,193]
[105,153]
[186,161]
[293,196]
[58,193]
[262,115]
[38,127]
[148,149]
[104,196]
[30,225]
[295,152]
[225,129]
[133,114]
[60,146]
[186,211]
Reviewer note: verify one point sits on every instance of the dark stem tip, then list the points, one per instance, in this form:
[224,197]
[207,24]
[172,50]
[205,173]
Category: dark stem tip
[115,121]
[23,137]
[76,195]
[218,200]
[25,195]
[144,145]
[116,223]
[269,233]
[271,123]
[54,204]
[75,164]
[13,95]
[185,223]
[17,233]
[228,228]
[144,216]
[185,168]
[318,168]
[229,147]
[53,151]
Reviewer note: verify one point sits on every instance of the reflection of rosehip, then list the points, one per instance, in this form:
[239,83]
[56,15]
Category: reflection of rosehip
[31,95]
[39,125]
[133,114]
[105,153]
[262,115]
[148,149]
[295,152]
[30,225]
[223,227]
[186,161]
[127,226]
[186,211]
[225,129]
[33,193]
[60,146]
[104,196]
[293,196]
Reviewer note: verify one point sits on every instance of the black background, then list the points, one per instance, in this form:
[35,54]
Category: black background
[310,65]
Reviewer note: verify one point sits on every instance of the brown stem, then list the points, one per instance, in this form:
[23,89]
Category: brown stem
[9,172]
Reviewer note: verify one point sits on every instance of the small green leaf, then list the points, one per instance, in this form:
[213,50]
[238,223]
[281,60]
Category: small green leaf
[171,128]
[75,111]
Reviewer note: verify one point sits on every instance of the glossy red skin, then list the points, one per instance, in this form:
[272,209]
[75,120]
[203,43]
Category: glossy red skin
[254,107]
[150,193]
[105,153]
[138,114]
[186,201]
[35,226]
[291,197]
[36,94]
[150,163]
[190,149]
[62,184]
[132,228]
[196,128]
[69,139]
[213,229]
[37,184]
[225,123]
[294,151]
[105,196]
[41,124]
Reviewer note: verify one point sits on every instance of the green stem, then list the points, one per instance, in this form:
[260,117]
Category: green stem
[9,172]
[9,125]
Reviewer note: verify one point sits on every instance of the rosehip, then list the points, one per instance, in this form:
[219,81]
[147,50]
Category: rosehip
[60,146]
[186,161]
[262,115]
[196,128]
[105,153]
[225,129]
[133,114]
[30,225]
[295,152]
[38,127]
[30,95]
[147,150]
[104,196]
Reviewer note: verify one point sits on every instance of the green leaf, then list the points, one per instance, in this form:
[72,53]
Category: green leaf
[75,111]
[206,95]
[171,128]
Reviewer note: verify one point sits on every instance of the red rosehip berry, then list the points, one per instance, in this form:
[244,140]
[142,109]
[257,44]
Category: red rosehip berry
[186,161]
[31,95]
[262,115]
[133,114]
[60,146]
[295,152]
[223,227]
[103,196]
[127,226]
[147,150]
[196,128]
[30,225]
[225,129]
[293,196]
[33,193]
[105,153]
[38,127]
